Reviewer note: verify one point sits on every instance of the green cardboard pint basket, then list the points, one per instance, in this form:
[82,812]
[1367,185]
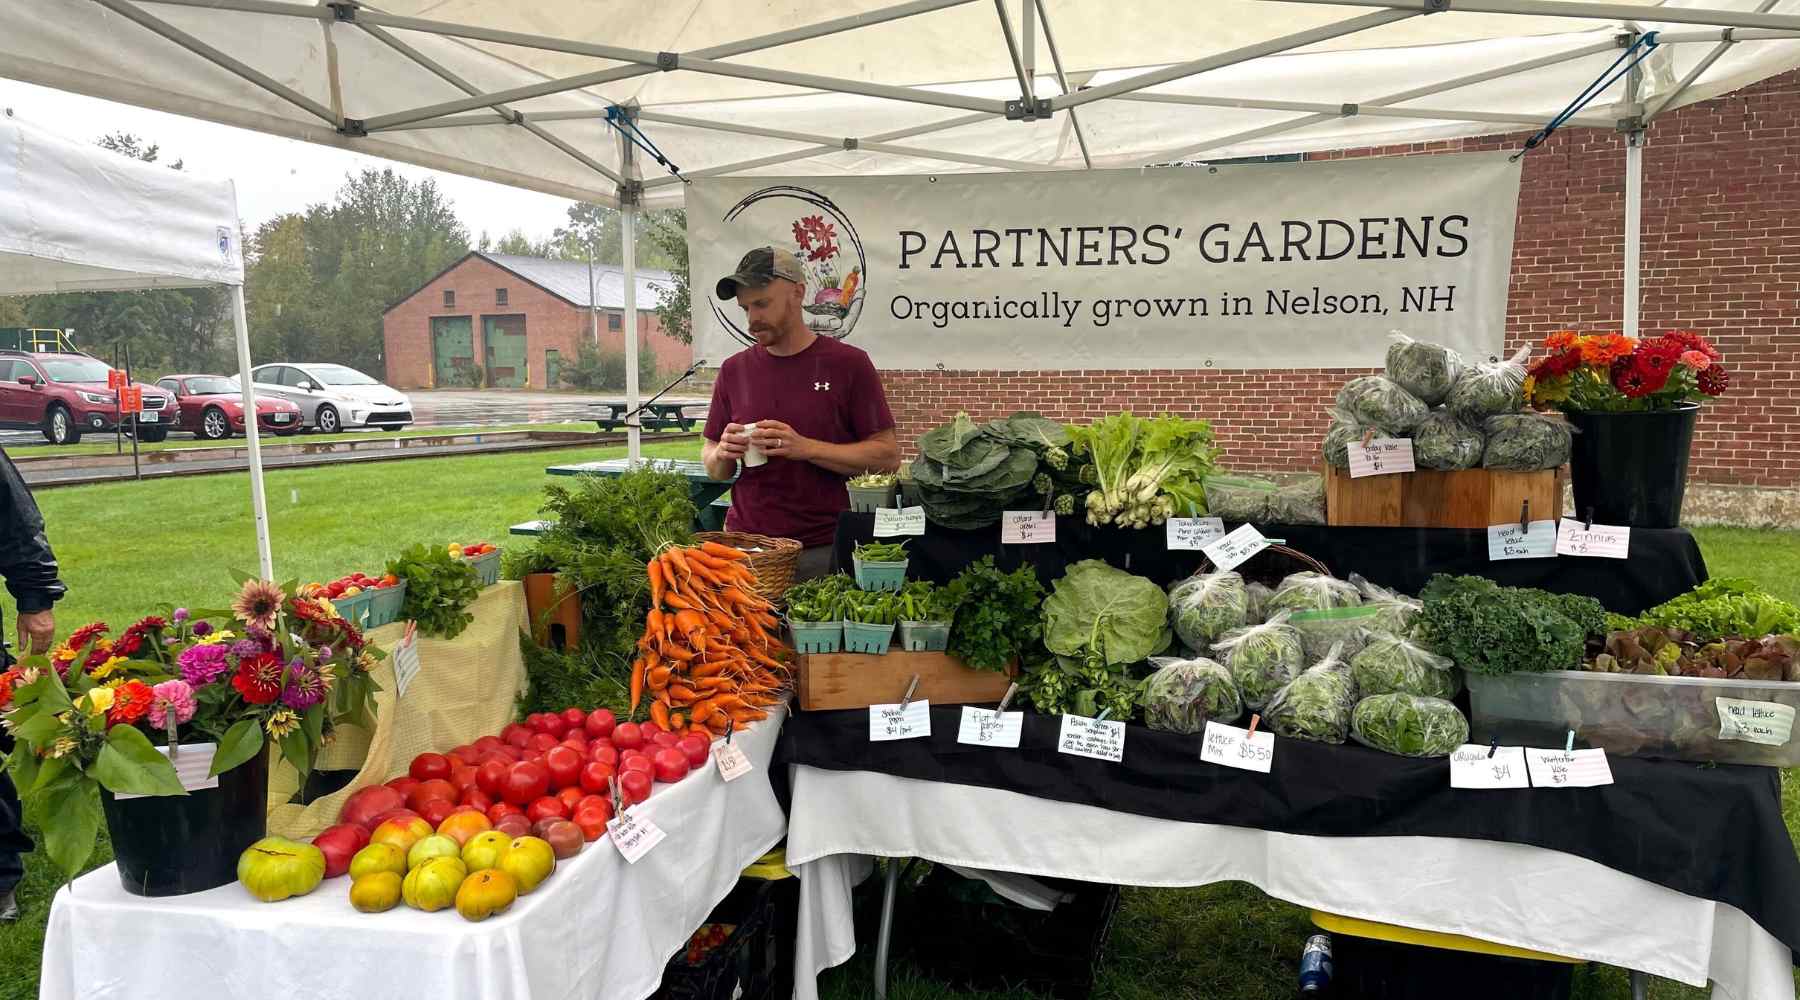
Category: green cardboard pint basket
[879,575]
[817,637]
[924,637]
[865,499]
[487,567]
[872,639]
[385,604]
[355,609]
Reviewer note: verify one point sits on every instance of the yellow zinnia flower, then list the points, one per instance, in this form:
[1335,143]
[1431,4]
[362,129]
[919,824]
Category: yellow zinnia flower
[107,669]
[283,722]
[99,700]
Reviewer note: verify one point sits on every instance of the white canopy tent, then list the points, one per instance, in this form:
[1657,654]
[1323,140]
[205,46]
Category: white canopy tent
[77,218]
[578,97]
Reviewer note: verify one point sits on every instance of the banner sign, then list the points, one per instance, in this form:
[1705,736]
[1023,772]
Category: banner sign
[1267,265]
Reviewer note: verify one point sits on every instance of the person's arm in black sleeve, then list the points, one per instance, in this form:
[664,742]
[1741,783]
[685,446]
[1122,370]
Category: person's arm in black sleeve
[25,557]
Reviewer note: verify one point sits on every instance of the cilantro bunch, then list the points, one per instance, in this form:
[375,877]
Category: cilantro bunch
[997,614]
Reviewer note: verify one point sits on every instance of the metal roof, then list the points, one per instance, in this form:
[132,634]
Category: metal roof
[568,279]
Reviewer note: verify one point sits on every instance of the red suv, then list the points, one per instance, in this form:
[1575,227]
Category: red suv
[65,396]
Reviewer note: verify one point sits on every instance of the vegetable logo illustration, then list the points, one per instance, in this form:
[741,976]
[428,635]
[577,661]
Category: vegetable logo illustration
[822,236]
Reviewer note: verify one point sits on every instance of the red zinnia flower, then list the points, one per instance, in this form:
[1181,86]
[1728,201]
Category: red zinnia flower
[1659,357]
[130,701]
[1714,380]
[7,680]
[128,643]
[1694,342]
[1632,380]
[259,678]
[1564,362]
[86,633]
[149,622]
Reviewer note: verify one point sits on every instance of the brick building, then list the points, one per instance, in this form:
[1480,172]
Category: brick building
[519,318]
[1721,256]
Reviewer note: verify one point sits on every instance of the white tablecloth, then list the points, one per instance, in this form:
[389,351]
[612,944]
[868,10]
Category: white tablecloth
[1507,893]
[597,928]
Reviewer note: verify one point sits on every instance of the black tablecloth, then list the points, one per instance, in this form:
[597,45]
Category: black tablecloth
[1663,563]
[1713,832]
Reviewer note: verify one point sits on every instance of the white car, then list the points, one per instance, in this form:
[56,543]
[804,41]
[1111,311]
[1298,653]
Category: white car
[333,397]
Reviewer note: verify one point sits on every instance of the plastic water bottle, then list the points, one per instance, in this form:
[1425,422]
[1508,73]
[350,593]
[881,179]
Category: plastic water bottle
[1315,966]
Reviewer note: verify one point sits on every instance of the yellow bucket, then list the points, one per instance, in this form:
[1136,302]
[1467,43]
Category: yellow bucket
[1351,926]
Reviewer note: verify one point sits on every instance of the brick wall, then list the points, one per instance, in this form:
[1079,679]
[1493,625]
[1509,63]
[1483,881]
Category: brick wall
[1721,256]
[550,324]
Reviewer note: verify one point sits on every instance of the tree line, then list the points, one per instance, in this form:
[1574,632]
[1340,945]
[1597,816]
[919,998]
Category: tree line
[317,282]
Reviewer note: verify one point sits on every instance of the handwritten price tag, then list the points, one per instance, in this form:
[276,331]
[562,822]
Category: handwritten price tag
[634,835]
[1101,739]
[891,523]
[983,727]
[1380,457]
[733,764]
[406,660]
[191,767]
[1599,541]
[1193,534]
[1230,746]
[1027,527]
[1568,769]
[1471,767]
[1243,542]
[1537,541]
[895,722]
[1764,722]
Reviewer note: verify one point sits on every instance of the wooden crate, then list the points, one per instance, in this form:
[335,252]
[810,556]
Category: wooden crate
[1465,498]
[856,680]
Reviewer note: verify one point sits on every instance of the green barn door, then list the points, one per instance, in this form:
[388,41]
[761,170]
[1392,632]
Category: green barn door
[452,349]
[504,337]
[552,368]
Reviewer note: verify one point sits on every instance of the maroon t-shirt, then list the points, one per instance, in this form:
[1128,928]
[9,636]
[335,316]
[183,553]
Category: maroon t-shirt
[828,392]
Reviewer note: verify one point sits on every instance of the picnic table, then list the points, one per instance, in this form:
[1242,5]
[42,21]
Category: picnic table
[707,493]
[659,416]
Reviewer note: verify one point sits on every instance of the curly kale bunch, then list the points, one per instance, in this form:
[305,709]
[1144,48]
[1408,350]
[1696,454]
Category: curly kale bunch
[1490,629]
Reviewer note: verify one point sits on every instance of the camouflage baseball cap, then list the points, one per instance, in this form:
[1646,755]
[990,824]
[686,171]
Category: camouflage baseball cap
[758,268]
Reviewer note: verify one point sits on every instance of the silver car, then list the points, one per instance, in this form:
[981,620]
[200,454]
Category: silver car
[333,397]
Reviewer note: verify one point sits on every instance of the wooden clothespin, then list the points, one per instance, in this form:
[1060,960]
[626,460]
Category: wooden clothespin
[910,688]
[1255,720]
[1525,515]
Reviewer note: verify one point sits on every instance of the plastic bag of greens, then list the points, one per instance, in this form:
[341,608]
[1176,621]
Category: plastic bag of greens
[1397,609]
[1524,442]
[1261,658]
[1315,705]
[1348,629]
[1239,498]
[1489,389]
[1390,664]
[1256,596]
[1300,502]
[1425,370]
[1443,442]
[1184,694]
[1409,725]
[1204,607]
[1309,591]
[1377,401]
[1343,430]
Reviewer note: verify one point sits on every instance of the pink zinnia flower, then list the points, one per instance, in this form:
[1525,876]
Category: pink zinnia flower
[171,696]
[201,665]
[1697,360]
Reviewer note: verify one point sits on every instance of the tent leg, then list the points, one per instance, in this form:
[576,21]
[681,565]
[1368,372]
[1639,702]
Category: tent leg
[258,503]
[1634,222]
[633,429]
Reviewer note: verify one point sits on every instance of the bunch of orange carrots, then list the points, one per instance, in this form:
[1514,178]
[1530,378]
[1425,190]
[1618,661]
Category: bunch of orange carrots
[711,654]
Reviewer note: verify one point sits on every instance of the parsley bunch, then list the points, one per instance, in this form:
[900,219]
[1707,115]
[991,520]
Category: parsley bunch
[997,614]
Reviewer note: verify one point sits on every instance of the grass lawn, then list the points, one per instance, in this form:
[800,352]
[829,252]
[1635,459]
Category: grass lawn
[103,444]
[125,547]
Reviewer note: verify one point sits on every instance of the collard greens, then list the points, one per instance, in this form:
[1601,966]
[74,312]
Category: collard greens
[1183,695]
[1409,725]
[1105,613]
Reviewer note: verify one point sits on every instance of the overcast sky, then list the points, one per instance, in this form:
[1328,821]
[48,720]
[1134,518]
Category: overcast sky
[273,175]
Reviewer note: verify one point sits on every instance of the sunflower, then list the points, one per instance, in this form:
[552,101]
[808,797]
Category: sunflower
[258,603]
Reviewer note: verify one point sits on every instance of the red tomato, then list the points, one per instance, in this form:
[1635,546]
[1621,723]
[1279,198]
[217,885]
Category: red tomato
[525,781]
[507,730]
[535,756]
[592,821]
[427,766]
[637,762]
[696,747]
[588,800]
[403,785]
[570,796]
[671,765]
[634,786]
[501,810]
[664,739]
[513,824]
[463,776]
[543,741]
[574,718]
[519,738]
[487,743]
[602,752]
[477,798]
[506,754]
[437,810]
[629,735]
[594,777]
[550,724]
[599,723]
[575,741]
[547,807]
[468,752]
[564,766]
[490,777]
[437,789]
[649,728]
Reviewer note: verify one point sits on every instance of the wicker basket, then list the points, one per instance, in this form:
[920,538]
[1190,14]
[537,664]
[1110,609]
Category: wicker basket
[1272,565]
[771,559]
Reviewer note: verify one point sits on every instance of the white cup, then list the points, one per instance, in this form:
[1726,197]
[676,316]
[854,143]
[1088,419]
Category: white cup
[753,456]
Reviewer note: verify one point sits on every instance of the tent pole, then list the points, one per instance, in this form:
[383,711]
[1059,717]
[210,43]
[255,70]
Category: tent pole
[1062,81]
[1634,222]
[871,142]
[1725,42]
[630,195]
[258,503]
[807,154]
[1595,11]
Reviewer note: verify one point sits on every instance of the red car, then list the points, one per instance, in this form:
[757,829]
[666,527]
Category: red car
[65,395]
[212,407]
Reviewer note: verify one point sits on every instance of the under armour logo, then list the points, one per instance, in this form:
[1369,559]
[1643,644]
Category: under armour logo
[821,386]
